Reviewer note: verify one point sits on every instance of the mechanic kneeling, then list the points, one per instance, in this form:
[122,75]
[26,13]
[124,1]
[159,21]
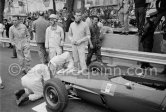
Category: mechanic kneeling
[33,83]
[34,80]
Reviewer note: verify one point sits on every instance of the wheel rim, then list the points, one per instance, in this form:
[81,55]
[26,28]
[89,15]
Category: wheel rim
[52,96]
[95,70]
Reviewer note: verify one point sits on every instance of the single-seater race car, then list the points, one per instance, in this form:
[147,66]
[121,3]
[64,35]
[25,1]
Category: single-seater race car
[122,93]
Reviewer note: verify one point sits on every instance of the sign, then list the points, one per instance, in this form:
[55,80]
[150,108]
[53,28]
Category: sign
[46,3]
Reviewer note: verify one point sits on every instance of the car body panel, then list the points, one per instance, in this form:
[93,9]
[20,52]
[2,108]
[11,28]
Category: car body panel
[117,93]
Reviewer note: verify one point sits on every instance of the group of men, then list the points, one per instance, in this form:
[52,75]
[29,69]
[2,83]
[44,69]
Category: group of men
[50,40]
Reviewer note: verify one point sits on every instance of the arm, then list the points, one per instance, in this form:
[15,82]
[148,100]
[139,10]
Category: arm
[70,34]
[27,33]
[33,27]
[62,37]
[46,39]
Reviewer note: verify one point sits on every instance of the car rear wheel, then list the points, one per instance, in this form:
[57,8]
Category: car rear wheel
[97,67]
[55,94]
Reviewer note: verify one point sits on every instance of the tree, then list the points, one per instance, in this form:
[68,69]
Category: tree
[2,6]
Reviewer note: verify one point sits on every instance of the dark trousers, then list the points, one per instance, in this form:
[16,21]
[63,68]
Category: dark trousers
[14,51]
[97,51]
[140,14]
[42,53]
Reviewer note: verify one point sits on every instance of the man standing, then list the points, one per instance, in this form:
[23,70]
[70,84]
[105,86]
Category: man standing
[20,38]
[39,27]
[140,13]
[54,37]
[95,46]
[124,7]
[79,34]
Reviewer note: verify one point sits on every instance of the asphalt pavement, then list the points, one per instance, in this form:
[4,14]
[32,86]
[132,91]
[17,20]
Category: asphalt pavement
[13,83]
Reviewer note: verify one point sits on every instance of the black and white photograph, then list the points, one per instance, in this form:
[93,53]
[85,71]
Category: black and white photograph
[82,55]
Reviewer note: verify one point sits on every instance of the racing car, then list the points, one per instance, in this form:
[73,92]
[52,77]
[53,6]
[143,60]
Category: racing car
[121,93]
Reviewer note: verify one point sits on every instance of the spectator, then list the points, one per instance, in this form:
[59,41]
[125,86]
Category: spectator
[39,26]
[140,13]
[29,26]
[94,45]
[54,37]
[79,34]
[20,37]
[124,7]
[7,26]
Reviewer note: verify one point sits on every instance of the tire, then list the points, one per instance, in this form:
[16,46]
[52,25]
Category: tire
[55,95]
[97,67]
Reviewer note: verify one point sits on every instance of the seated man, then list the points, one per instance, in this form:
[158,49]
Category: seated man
[33,83]
[61,61]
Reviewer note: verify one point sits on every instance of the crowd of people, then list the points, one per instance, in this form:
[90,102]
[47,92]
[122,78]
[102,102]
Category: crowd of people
[50,37]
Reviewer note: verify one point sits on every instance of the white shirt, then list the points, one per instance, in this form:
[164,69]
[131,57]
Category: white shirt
[33,80]
[53,37]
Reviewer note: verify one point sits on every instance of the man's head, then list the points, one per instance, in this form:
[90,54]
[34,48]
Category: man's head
[5,21]
[53,19]
[78,16]
[95,20]
[15,20]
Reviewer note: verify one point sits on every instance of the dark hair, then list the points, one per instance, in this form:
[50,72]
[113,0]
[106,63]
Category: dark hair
[78,11]
[95,17]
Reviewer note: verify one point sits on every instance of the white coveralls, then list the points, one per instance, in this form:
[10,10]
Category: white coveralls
[20,37]
[54,40]
[32,81]
[79,33]
[59,60]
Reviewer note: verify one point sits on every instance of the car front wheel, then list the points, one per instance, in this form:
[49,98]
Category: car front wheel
[55,94]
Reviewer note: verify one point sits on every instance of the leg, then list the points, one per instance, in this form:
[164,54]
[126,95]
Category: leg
[126,24]
[98,54]
[52,53]
[27,57]
[14,52]
[121,17]
[20,58]
[75,56]
[81,52]
[142,14]
[137,17]
[89,56]
[42,52]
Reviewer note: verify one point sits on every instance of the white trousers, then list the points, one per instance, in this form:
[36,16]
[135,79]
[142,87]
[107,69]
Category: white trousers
[54,51]
[79,55]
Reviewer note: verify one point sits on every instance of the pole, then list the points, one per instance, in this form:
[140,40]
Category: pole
[54,6]
[27,5]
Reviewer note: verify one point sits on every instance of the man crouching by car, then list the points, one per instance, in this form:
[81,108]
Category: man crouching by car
[33,81]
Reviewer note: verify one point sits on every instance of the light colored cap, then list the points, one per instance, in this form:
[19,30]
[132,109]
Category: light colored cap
[53,16]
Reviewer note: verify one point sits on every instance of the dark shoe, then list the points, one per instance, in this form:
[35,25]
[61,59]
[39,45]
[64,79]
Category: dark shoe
[146,66]
[2,86]
[19,93]
[24,72]
[22,100]
[13,57]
